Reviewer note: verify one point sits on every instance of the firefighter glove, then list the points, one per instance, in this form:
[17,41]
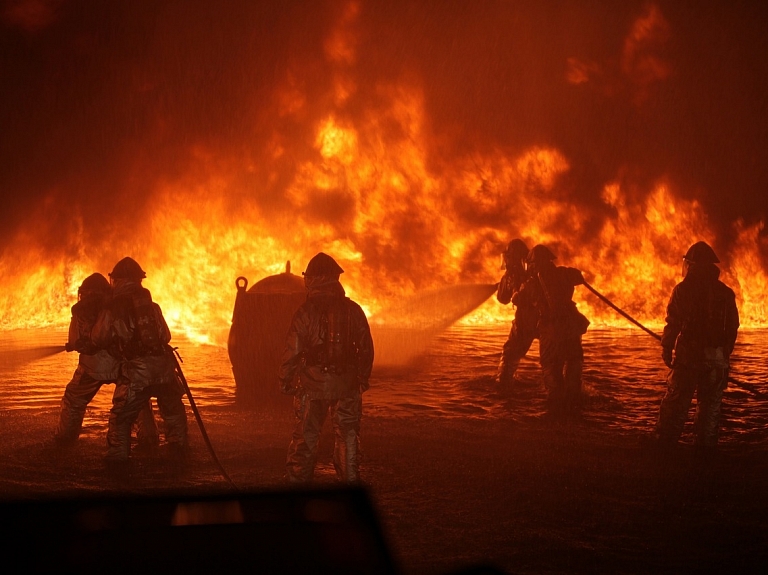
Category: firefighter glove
[288,388]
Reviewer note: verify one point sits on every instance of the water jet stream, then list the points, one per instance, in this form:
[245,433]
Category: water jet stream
[13,359]
[403,331]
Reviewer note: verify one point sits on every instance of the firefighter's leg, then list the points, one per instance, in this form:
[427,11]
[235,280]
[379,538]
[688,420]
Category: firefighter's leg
[681,385]
[346,413]
[708,401]
[572,377]
[554,382]
[146,427]
[174,414]
[77,395]
[507,364]
[552,361]
[302,452]
[517,345]
[126,404]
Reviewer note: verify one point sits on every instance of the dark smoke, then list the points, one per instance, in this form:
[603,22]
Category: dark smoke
[102,101]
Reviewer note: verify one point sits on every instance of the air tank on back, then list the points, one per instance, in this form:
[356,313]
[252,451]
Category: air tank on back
[260,322]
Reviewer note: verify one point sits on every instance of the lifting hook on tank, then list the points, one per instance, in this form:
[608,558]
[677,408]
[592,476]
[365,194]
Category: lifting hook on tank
[241,280]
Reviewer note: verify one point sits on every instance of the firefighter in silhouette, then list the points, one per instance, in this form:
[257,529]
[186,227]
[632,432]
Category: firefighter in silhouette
[326,365]
[700,333]
[560,327]
[95,367]
[523,330]
[133,330]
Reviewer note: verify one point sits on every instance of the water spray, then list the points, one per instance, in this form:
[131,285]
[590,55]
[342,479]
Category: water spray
[14,359]
[436,309]
[403,330]
[746,386]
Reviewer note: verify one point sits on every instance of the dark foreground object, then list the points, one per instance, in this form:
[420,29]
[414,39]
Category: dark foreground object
[319,531]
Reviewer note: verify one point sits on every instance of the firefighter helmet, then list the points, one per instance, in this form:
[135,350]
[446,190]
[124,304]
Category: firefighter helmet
[323,265]
[127,268]
[516,250]
[94,283]
[701,253]
[540,254]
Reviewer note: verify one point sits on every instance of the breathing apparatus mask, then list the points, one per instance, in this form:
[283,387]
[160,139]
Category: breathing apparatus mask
[514,254]
[686,266]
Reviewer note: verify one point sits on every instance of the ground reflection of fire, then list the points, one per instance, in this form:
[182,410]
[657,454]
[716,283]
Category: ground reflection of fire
[369,185]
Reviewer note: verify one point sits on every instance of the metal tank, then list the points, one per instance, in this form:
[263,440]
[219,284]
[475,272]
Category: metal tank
[260,322]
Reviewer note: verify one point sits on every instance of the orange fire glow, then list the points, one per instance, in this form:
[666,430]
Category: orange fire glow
[375,193]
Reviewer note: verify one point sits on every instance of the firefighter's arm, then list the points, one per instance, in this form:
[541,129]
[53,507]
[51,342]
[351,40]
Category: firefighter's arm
[364,348]
[162,326]
[73,334]
[524,294]
[291,358]
[672,329]
[505,289]
[731,325]
[575,276]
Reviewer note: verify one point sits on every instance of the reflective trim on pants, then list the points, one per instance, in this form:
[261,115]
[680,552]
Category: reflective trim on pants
[310,417]
[126,404]
[561,361]
[683,382]
[79,392]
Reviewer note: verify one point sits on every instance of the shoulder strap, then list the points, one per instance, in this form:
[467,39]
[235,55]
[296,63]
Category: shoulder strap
[147,332]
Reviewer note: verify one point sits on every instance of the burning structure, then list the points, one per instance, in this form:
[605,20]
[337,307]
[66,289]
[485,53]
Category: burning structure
[411,140]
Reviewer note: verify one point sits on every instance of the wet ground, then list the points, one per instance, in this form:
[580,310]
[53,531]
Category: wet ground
[461,472]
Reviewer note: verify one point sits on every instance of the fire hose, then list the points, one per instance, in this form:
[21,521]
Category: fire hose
[193,405]
[746,386]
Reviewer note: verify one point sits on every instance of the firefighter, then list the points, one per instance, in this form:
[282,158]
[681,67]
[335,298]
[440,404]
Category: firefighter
[95,367]
[523,330]
[132,328]
[700,333]
[326,364]
[560,327]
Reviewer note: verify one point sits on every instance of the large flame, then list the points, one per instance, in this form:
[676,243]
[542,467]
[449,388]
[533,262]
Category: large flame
[371,187]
